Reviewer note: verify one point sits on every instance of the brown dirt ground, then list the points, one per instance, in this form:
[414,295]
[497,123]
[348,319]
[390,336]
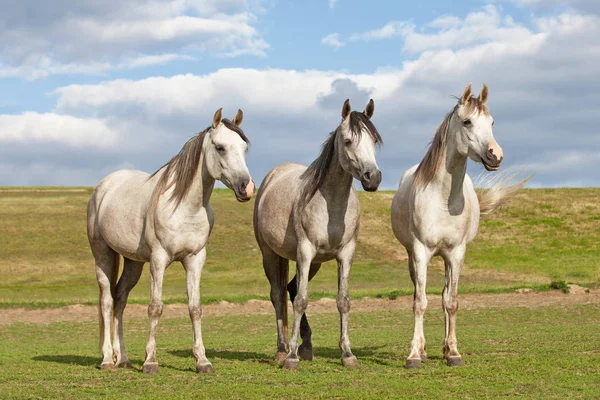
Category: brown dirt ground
[79,312]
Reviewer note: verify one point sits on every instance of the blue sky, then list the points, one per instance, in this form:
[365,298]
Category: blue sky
[91,88]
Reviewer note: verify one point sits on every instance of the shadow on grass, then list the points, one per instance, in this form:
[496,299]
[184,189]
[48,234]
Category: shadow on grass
[322,352]
[70,359]
[225,354]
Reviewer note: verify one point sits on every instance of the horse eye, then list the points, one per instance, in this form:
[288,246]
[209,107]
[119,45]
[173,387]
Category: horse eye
[220,148]
[493,122]
[467,122]
[347,142]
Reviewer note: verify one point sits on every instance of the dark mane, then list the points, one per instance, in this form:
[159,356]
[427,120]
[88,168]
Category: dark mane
[181,170]
[434,157]
[314,176]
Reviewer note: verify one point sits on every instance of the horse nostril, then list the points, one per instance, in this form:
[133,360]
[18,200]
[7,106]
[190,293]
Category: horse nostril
[491,152]
[243,186]
[367,176]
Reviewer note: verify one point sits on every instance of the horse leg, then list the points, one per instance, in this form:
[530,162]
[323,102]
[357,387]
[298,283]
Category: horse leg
[107,270]
[305,351]
[193,268]
[306,253]
[454,261]
[418,259]
[277,269]
[132,270]
[344,260]
[158,263]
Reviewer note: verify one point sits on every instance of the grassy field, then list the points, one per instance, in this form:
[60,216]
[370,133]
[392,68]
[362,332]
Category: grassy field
[549,352]
[542,235]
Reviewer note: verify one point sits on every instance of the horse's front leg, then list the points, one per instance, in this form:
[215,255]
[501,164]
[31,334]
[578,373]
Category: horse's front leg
[454,260]
[193,267]
[158,264]
[344,260]
[418,259]
[306,253]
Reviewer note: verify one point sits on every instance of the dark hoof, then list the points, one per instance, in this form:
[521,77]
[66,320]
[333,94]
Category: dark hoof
[454,361]
[280,357]
[423,357]
[350,361]
[305,353]
[204,369]
[150,368]
[125,364]
[291,363]
[107,366]
[412,364]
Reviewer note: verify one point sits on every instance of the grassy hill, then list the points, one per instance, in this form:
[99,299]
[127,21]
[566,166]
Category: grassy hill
[542,235]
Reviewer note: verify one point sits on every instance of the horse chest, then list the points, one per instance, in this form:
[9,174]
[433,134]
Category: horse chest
[440,229]
[329,232]
[182,235]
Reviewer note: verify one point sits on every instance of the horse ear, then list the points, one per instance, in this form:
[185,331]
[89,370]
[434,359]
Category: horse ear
[483,96]
[369,109]
[238,118]
[346,109]
[466,95]
[217,117]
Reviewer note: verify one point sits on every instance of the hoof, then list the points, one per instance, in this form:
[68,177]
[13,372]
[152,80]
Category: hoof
[107,366]
[280,357]
[204,369]
[454,361]
[412,364]
[291,363]
[125,364]
[150,368]
[305,353]
[350,361]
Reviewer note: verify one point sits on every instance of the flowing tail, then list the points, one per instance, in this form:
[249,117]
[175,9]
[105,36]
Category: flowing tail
[284,271]
[494,192]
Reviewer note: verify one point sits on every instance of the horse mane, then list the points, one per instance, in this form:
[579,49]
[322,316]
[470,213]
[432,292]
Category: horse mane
[181,170]
[314,176]
[433,159]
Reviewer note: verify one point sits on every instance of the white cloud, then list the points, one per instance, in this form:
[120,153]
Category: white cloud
[31,127]
[333,40]
[391,29]
[58,37]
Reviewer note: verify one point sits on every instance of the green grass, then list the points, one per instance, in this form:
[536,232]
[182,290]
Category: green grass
[542,235]
[549,352]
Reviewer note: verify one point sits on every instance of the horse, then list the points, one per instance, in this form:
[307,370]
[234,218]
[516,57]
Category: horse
[311,215]
[161,218]
[436,210]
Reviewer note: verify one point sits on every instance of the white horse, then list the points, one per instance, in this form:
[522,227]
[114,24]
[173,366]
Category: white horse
[162,218]
[436,210]
[311,215]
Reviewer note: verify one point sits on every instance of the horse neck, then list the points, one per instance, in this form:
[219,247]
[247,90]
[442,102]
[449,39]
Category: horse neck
[202,186]
[450,178]
[337,182]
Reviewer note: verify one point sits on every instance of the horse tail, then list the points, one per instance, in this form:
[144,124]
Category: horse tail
[284,271]
[494,192]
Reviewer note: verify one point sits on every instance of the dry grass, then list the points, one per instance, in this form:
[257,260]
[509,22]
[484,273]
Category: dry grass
[542,235]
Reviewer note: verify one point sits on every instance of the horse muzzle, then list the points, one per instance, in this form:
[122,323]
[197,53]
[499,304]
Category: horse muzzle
[491,163]
[244,190]
[370,180]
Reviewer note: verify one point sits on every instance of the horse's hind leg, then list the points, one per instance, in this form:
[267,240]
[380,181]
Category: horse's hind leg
[418,259]
[132,270]
[277,269]
[305,351]
[454,261]
[107,269]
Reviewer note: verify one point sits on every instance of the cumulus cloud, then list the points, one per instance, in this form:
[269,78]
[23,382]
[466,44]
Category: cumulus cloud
[543,84]
[31,127]
[333,40]
[60,37]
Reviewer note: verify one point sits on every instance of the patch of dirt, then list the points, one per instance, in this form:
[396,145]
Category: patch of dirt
[263,307]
